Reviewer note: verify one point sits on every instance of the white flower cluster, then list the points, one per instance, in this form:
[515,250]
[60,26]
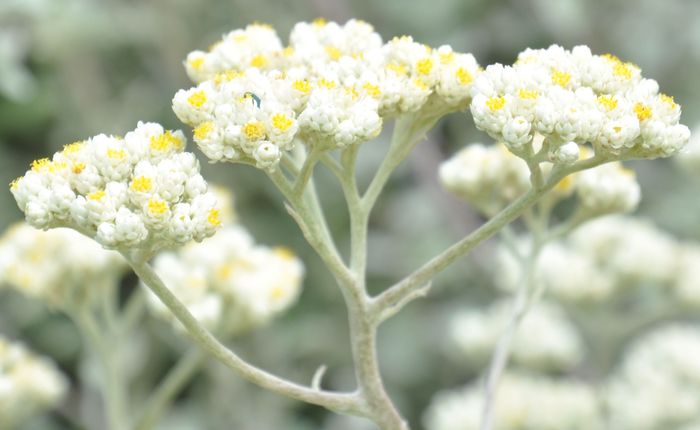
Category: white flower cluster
[330,88]
[490,177]
[575,96]
[139,191]
[606,189]
[546,339]
[606,256]
[28,384]
[229,283]
[523,402]
[61,267]
[658,383]
[689,158]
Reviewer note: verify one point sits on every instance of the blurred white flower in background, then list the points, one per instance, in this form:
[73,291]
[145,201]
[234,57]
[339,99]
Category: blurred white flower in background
[28,384]
[606,257]
[657,384]
[523,402]
[545,340]
[689,158]
[60,267]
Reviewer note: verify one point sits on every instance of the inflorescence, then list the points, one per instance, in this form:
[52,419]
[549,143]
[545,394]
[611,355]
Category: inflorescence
[331,87]
[139,191]
[575,96]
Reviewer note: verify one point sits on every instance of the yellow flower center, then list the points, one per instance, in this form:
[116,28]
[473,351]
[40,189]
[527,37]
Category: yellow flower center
[72,148]
[352,92]
[372,90]
[643,111]
[97,195]
[326,83]
[333,52]
[397,68]
[258,61]
[165,141]
[281,121]
[560,78]
[116,154]
[319,22]
[302,85]
[424,66]
[622,70]
[157,206]
[141,184]
[420,84]
[213,217]
[78,168]
[197,99]
[611,57]
[203,130]
[226,76]
[528,94]
[447,57]
[254,130]
[608,102]
[668,100]
[40,164]
[463,76]
[496,103]
[196,63]
[240,37]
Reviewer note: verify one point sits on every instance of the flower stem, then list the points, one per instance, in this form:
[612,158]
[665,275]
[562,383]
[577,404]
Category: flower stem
[169,387]
[521,304]
[425,273]
[349,403]
[112,383]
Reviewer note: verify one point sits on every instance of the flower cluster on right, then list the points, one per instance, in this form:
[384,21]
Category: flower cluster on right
[575,96]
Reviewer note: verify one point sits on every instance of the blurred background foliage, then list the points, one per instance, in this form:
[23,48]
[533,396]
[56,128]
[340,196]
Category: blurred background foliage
[74,68]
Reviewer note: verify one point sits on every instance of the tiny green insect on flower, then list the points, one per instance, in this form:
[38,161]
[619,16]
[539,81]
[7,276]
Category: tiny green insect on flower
[256,99]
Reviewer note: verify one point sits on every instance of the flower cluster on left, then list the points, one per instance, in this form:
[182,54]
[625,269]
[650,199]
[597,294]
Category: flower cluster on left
[138,191]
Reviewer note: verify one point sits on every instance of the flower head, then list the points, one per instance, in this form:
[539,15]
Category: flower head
[61,267]
[330,88]
[604,257]
[519,403]
[140,191]
[658,381]
[28,384]
[490,177]
[557,345]
[229,283]
[576,96]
